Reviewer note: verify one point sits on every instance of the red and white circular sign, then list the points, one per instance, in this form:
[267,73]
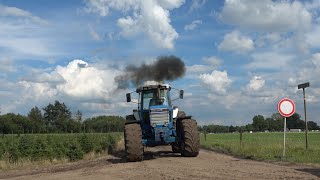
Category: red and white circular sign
[286,107]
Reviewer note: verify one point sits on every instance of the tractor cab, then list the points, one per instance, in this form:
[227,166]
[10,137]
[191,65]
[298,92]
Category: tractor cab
[155,96]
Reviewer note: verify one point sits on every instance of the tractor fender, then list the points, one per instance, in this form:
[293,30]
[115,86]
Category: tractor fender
[130,119]
[182,115]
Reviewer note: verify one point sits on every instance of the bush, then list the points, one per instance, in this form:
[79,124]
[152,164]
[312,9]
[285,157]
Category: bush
[85,143]
[13,154]
[25,146]
[74,152]
[54,146]
[2,150]
[40,151]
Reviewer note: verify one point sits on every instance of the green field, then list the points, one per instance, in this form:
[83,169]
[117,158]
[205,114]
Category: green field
[28,148]
[267,146]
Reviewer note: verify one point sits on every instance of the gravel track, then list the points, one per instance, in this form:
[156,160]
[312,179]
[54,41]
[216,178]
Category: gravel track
[160,163]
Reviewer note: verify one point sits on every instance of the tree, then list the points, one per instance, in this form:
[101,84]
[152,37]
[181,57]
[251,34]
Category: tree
[56,117]
[294,122]
[79,116]
[313,126]
[14,124]
[249,127]
[259,124]
[104,124]
[232,129]
[36,118]
[79,119]
[274,124]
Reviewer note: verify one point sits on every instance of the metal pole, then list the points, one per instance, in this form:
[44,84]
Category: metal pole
[305,117]
[284,138]
[205,135]
[240,138]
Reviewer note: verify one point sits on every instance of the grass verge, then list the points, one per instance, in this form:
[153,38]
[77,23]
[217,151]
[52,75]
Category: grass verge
[267,146]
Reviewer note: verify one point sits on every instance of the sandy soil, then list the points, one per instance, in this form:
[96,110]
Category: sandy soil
[160,163]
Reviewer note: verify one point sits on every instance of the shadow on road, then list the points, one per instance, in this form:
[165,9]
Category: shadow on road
[120,156]
[313,171]
[149,155]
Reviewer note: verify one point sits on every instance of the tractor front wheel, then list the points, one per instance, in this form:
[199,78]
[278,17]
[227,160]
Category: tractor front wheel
[190,138]
[133,143]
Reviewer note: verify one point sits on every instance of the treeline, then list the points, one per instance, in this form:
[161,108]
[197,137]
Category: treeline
[261,124]
[57,118]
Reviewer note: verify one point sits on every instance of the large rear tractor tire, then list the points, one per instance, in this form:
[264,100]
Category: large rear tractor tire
[190,138]
[133,144]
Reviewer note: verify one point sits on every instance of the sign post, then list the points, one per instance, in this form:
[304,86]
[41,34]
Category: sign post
[303,86]
[286,108]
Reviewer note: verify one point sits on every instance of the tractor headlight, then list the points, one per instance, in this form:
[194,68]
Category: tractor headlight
[154,124]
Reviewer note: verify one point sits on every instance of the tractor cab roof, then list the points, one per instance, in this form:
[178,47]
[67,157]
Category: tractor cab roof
[150,87]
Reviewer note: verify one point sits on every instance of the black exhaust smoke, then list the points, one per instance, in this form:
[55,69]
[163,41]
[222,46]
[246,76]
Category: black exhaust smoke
[164,68]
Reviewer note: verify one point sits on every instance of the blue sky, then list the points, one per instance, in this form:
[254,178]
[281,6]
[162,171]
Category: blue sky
[242,56]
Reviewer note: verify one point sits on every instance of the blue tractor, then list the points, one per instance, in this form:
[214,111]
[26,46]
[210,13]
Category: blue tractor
[158,122]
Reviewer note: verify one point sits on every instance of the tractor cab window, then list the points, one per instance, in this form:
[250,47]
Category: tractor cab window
[146,98]
[164,96]
[150,98]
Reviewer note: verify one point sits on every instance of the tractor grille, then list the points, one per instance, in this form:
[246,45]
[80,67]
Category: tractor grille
[159,116]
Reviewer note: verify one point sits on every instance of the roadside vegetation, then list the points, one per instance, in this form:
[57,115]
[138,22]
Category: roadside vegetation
[18,150]
[53,135]
[263,139]
[266,146]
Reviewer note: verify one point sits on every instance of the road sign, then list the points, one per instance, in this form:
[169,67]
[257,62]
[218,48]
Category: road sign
[304,85]
[286,107]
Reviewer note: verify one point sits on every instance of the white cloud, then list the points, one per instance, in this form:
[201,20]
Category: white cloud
[26,46]
[194,24]
[313,36]
[6,65]
[316,60]
[86,82]
[148,17]
[217,81]
[97,6]
[236,42]
[267,15]
[22,35]
[198,68]
[89,88]
[256,83]
[213,61]
[130,26]
[312,5]
[7,11]
[268,38]
[197,4]
[77,81]
[37,91]
[270,60]
[94,34]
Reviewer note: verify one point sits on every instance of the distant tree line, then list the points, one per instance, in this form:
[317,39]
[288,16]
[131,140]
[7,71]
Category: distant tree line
[261,124]
[57,118]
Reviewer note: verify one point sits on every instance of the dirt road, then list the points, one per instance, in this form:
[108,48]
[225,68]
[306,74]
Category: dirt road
[160,163]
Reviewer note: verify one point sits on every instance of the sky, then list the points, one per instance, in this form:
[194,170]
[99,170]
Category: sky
[241,56]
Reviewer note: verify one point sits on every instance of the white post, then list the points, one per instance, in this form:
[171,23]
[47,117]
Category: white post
[284,138]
